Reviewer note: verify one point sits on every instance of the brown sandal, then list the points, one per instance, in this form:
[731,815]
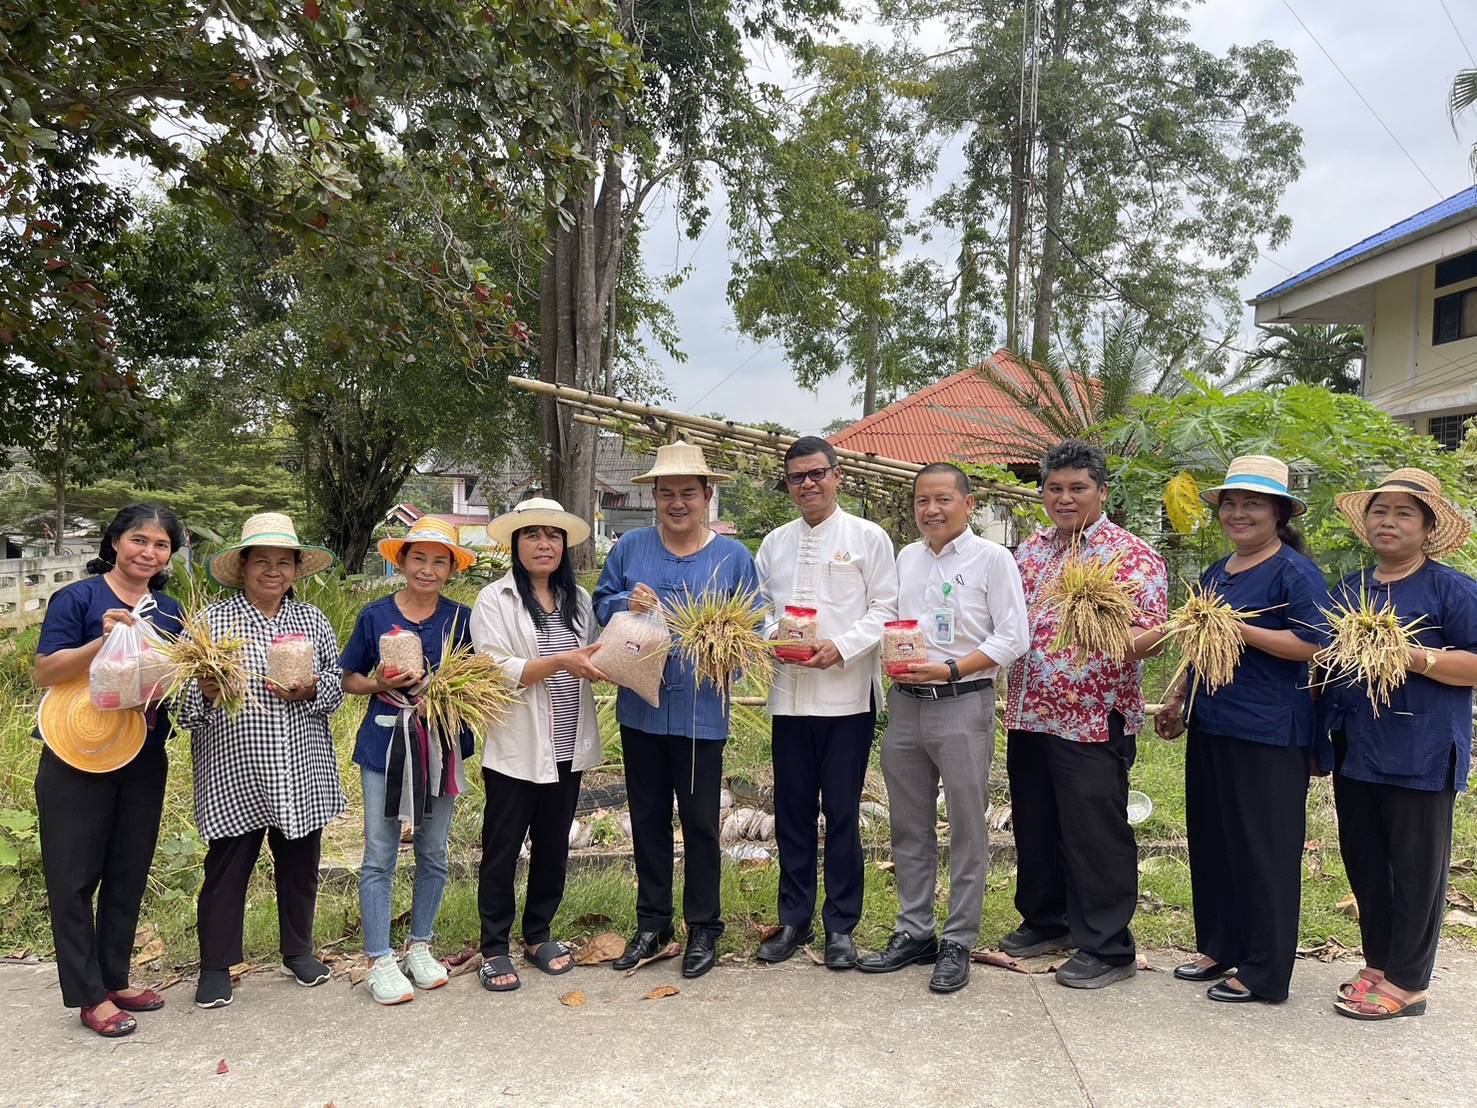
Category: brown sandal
[1374,1006]
[1356,987]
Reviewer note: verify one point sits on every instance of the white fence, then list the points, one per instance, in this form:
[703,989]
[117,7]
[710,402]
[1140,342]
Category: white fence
[27,584]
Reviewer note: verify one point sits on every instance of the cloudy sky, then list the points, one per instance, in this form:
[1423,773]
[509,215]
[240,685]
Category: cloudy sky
[1357,180]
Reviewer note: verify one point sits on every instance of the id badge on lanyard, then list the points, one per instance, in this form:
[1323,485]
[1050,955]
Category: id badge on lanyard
[943,618]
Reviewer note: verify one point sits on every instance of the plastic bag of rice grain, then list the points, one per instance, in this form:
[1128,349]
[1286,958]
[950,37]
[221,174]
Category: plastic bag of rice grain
[400,652]
[633,652]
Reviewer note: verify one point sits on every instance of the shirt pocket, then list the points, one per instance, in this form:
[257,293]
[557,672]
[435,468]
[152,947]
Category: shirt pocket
[1400,744]
[842,586]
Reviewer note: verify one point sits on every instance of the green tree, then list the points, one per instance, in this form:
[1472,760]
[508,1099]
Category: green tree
[1463,96]
[1323,354]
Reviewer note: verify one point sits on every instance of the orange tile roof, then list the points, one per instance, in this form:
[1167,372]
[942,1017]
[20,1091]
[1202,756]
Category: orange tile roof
[950,420]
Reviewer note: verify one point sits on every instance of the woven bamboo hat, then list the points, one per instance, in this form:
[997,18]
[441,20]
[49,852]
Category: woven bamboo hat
[1452,527]
[538,511]
[84,737]
[1256,473]
[267,529]
[680,459]
[433,530]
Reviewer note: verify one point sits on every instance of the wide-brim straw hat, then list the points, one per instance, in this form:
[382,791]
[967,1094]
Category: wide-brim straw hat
[538,511]
[267,529]
[1452,527]
[432,530]
[1256,473]
[680,459]
[85,738]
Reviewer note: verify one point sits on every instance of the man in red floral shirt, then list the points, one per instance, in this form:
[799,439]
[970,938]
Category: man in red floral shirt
[1072,719]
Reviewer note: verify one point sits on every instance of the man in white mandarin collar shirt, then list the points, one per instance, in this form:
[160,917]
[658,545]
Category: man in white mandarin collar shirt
[965,592]
[824,708]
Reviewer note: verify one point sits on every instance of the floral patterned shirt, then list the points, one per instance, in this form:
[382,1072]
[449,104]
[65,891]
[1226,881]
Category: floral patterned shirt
[1061,692]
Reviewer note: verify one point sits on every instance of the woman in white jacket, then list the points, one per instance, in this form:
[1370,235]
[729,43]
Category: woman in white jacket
[539,625]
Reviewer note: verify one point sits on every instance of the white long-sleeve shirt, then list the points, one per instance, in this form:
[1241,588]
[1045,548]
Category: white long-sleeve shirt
[844,568]
[983,590]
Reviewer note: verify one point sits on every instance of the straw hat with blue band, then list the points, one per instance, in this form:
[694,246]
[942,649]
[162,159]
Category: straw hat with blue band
[1452,528]
[267,529]
[1256,473]
[538,511]
[433,530]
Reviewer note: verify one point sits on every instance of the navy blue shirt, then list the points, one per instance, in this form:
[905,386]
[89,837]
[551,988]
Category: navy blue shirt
[362,655]
[74,617]
[724,566]
[1427,726]
[1269,700]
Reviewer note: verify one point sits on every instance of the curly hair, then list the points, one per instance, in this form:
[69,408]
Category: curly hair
[1076,454]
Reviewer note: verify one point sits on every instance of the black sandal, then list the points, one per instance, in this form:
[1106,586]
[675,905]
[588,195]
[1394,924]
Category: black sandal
[493,968]
[545,961]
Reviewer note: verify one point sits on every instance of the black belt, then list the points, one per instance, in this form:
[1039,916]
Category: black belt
[943,692]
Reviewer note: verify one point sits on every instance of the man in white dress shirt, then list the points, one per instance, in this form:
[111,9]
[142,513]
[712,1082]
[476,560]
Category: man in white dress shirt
[824,709]
[965,592]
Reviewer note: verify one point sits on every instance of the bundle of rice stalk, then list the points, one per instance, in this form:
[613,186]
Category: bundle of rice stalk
[467,689]
[1209,638]
[1095,611]
[1369,644]
[199,654]
[719,635]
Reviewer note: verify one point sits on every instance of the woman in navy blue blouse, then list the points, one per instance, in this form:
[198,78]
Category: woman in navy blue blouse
[1397,773]
[1250,747]
[98,830]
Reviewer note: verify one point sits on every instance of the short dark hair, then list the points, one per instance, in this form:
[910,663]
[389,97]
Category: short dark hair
[961,479]
[807,445]
[1076,454]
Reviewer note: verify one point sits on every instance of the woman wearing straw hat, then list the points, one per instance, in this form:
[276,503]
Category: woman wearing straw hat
[100,780]
[391,756]
[1249,754]
[1397,770]
[269,771]
[676,748]
[538,624]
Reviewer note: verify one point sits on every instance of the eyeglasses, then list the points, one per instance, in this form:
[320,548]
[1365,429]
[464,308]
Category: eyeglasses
[817,475]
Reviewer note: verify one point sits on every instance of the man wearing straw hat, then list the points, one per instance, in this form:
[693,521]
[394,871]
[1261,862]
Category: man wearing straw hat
[676,748]
[824,708]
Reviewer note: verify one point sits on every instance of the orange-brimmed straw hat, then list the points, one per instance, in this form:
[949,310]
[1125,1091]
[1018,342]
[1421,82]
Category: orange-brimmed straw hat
[429,529]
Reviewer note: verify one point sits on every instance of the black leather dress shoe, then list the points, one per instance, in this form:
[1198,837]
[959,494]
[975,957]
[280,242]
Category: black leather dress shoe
[840,950]
[1193,971]
[1227,995]
[779,947]
[951,971]
[646,944]
[702,954]
[902,950]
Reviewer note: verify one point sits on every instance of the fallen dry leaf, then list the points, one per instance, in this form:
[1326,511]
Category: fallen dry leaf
[604,947]
[813,956]
[1327,951]
[222,1068]
[469,964]
[1313,844]
[145,932]
[575,998]
[768,931]
[885,866]
[671,950]
[661,992]
[1459,918]
[1464,867]
[1349,906]
[1458,899]
[1001,960]
[152,949]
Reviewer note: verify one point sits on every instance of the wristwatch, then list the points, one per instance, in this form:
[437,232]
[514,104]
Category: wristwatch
[954,669]
[1430,661]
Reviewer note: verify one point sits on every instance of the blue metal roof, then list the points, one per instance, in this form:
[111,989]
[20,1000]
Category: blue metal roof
[1421,223]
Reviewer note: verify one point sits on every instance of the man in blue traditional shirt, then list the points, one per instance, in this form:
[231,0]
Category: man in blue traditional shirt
[675,748]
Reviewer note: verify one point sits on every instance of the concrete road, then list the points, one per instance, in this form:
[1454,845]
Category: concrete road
[794,1034]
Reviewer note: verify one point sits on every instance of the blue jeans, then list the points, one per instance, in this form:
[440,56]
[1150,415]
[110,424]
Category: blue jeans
[377,876]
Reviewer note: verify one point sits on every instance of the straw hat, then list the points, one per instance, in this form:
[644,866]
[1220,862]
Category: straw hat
[1452,527]
[1256,473]
[538,511]
[267,529]
[680,459]
[429,529]
[82,736]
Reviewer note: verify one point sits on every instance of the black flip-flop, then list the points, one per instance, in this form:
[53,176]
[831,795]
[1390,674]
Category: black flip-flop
[493,968]
[545,961]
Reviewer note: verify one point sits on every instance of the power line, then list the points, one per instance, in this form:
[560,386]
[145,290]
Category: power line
[1458,31]
[757,351]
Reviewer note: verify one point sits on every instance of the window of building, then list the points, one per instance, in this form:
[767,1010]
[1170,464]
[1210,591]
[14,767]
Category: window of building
[1449,429]
[1456,317]
[1461,268]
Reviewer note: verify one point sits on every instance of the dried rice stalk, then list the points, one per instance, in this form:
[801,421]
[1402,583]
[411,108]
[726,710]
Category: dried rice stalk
[1369,644]
[1209,636]
[1095,611]
[719,635]
[467,689]
[198,654]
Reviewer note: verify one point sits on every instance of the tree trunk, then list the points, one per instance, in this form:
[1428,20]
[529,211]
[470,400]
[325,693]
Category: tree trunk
[1056,184]
[359,465]
[1016,234]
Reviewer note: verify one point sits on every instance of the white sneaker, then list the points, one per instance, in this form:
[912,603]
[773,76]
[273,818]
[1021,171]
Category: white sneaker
[387,984]
[424,969]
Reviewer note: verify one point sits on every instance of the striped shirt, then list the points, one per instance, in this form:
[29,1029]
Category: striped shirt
[564,688]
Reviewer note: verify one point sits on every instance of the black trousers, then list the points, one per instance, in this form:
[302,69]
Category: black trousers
[658,767]
[1076,859]
[98,832]
[1396,845]
[515,809]
[820,764]
[222,909]
[1246,809]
